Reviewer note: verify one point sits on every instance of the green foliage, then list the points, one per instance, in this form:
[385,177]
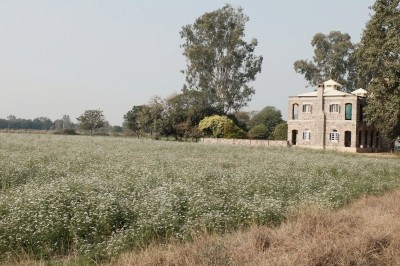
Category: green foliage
[220,62]
[217,126]
[152,115]
[91,120]
[241,119]
[281,131]
[40,123]
[333,59]
[213,126]
[67,132]
[183,113]
[260,131]
[232,131]
[379,63]
[146,118]
[132,119]
[269,116]
[117,129]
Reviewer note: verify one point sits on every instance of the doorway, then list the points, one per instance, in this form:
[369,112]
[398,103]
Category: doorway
[347,138]
[294,137]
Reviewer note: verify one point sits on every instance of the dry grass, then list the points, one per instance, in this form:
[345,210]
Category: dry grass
[364,233]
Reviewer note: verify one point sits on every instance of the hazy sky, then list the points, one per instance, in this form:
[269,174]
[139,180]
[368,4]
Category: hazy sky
[66,56]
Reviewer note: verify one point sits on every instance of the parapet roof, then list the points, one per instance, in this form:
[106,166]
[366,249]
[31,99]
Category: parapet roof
[360,92]
[327,92]
[331,89]
[332,83]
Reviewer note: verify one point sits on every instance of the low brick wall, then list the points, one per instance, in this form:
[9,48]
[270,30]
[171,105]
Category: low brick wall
[248,142]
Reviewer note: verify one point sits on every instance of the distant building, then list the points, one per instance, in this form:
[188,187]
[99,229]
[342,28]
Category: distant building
[397,144]
[328,118]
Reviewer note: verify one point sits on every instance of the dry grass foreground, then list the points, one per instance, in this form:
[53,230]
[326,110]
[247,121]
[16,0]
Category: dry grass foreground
[363,233]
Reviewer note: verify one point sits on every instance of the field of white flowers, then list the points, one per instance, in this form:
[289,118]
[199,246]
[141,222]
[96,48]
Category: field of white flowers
[98,196]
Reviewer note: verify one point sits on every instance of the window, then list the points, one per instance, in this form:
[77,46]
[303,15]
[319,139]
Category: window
[371,139]
[361,114]
[377,144]
[334,108]
[307,108]
[348,111]
[307,135]
[365,139]
[295,111]
[334,135]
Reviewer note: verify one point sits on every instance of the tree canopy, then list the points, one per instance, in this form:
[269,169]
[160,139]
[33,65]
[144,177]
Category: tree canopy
[220,62]
[260,131]
[268,116]
[132,119]
[379,63]
[183,113]
[333,59]
[90,120]
[145,118]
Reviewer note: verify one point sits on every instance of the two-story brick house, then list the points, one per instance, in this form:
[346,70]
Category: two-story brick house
[328,118]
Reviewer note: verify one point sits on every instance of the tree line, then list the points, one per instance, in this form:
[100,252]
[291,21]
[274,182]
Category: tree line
[90,120]
[184,116]
[39,123]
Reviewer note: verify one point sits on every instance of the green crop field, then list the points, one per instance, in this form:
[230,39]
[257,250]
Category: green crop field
[98,196]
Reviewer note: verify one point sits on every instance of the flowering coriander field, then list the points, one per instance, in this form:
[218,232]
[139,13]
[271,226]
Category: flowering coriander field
[98,196]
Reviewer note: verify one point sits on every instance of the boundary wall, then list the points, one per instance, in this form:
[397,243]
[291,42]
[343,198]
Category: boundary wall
[247,142]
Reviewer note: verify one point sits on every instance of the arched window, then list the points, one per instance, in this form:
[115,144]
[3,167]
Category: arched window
[334,135]
[295,111]
[348,111]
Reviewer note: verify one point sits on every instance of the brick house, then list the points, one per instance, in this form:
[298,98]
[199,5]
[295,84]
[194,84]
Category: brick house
[328,118]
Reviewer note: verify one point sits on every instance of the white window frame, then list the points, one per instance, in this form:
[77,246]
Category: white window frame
[307,135]
[334,135]
[307,108]
[334,108]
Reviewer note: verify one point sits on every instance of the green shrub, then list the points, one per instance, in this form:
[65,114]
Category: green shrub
[66,132]
[232,131]
[259,132]
[217,126]
[281,131]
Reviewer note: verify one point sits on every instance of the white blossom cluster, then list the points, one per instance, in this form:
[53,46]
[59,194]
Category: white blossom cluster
[98,196]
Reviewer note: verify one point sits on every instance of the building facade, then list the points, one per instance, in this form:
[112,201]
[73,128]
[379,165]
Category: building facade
[328,118]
